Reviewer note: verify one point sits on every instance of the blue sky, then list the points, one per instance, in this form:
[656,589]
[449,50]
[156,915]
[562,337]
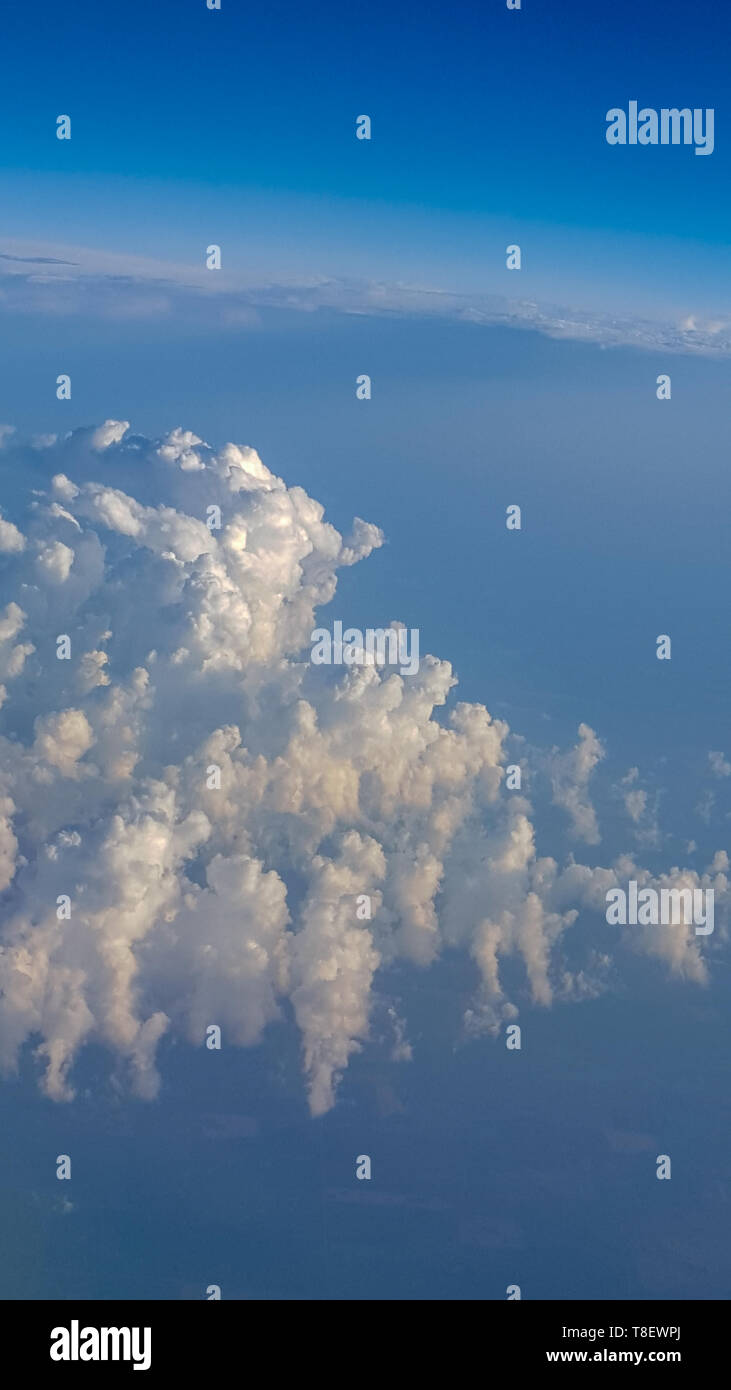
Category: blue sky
[488,126]
[386,257]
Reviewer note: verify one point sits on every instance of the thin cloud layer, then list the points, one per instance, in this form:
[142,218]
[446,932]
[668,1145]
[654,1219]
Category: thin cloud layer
[192,815]
[123,287]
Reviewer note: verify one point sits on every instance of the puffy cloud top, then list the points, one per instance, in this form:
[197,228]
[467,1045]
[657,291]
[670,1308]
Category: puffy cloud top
[196,823]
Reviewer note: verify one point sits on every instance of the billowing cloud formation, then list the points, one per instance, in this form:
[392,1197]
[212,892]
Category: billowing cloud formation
[571,774]
[197,824]
[720,766]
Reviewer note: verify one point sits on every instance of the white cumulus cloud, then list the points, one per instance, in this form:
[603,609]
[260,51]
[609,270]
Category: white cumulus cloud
[212,807]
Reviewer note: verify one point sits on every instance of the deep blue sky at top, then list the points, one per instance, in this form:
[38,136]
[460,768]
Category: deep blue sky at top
[238,126]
